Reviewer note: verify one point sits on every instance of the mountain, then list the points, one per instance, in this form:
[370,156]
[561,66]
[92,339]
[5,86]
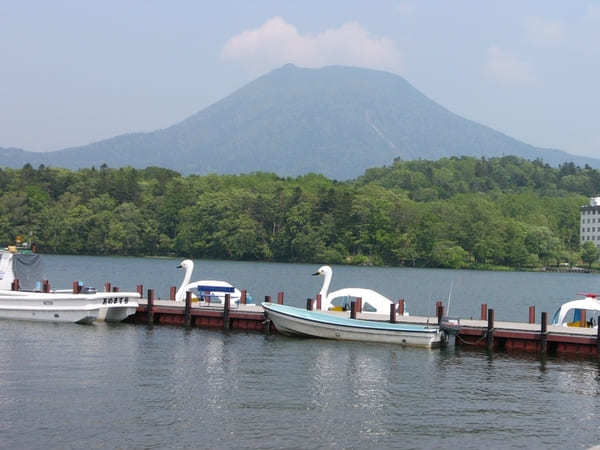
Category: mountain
[337,121]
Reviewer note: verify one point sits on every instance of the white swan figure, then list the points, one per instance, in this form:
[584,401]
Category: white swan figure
[216,296]
[371,301]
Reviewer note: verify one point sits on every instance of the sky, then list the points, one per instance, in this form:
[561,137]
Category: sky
[74,72]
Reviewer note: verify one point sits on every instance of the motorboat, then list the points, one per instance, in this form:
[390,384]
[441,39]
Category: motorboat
[84,307]
[29,301]
[294,321]
[582,312]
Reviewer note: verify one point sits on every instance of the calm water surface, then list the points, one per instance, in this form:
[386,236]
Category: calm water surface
[107,386]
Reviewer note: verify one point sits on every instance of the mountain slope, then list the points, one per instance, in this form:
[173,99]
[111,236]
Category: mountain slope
[337,121]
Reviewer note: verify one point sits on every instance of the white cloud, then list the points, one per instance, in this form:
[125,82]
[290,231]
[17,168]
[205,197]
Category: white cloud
[545,32]
[506,68]
[277,42]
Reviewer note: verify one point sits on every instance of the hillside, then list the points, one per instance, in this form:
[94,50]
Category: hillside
[337,121]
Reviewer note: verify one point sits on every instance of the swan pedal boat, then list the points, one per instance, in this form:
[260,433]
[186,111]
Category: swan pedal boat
[294,321]
[67,307]
[571,313]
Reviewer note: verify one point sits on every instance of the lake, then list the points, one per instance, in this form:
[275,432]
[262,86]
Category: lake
[103,385]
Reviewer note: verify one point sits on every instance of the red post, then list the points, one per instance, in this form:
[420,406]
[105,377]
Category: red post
[358,304]
[532,314]
[45,286]
[353,310]
[401,307]
[280,298]
[15,285]
[484,311]
[243,294]
[75,287]
[172,292]
[115,289]
[140,290]
[439,312]
[392,313]
[437,305]
[318,302]
[107,287]
[582,321]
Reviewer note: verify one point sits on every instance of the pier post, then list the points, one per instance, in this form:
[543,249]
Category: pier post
[140,289]
[544,333]
[173,292]
[437,305]
[267,298]
[187,312]
[115,289]
[243,294]
[392,313]
[226,322]
[150,307]
[15,285]
[490,329]
[401,307]
[76,288]
[45,286]
[318,302]
[309,303]
[353,310]
[532,314]
[484,311]
[358,304]
[107,287]
[280,298]
[439,313]
[582,318]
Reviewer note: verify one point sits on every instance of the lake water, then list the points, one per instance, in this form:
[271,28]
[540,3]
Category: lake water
[107,386]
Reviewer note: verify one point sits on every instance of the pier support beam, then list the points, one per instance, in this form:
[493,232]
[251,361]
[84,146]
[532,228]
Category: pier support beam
[187,312]
[544,333]
[439,312]
[490,329]
[226,321]
[150,307]
[532,314]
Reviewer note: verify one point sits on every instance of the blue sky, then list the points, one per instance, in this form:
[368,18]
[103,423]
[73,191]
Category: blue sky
[74,72]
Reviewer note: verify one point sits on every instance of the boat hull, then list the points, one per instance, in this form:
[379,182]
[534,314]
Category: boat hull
[83,316]
[116,313]
[321,326]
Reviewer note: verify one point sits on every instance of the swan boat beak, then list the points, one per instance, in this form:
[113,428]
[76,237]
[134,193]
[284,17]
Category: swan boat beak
[179,266]
[316,273]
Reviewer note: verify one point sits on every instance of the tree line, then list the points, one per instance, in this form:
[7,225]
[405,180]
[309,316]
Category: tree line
[454,212]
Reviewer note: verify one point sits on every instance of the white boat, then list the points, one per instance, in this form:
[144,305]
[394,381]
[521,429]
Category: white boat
[28,303]
[297,321]
[207,291]
[582,312]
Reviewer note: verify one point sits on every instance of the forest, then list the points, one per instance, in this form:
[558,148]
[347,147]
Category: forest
[459,212]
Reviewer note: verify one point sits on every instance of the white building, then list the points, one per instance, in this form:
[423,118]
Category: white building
[590,222]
